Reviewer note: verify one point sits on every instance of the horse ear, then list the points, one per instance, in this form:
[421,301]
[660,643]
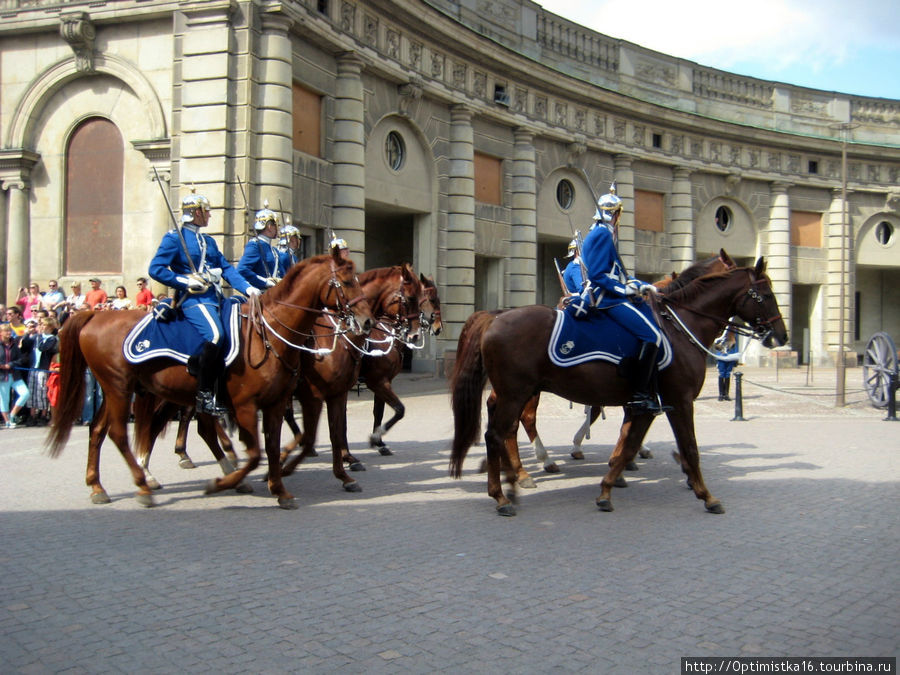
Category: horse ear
[422,278]
[725,258]
[760,267]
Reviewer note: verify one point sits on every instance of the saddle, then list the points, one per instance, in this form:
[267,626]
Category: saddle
[597,337]
[175,338]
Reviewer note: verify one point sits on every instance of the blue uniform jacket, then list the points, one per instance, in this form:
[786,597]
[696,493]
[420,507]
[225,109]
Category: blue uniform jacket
[572,276]
[605,273]
[170,265]
[261,261]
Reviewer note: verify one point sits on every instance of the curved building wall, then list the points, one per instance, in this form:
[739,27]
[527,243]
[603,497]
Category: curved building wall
[494,105]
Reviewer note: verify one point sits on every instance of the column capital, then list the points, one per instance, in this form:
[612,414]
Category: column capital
[622,161]
[460,113]
[210,15]
[16,166]
[274,21]
[780,187]
[523,136]
[681,173]
[349,63]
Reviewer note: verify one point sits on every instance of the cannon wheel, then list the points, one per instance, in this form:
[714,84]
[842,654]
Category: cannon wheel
[879,364]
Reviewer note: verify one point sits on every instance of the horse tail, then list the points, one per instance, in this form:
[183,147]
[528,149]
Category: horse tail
[466,386]
[71,382]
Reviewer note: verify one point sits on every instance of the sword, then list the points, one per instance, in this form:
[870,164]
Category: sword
[181,238]
[562,283]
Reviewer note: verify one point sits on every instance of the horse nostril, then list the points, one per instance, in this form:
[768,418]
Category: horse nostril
[367,326]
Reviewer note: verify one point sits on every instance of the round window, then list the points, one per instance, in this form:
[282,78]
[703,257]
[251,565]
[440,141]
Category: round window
[723,219]
[884,233]
[565,194]
[394,150]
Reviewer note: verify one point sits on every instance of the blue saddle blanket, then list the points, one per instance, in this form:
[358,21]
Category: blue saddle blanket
[177,339]
[575,341]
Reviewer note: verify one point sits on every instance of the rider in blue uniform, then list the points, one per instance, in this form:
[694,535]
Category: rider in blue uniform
[262,264]
[611,289]
[197,281]
[289,243]
[572,275]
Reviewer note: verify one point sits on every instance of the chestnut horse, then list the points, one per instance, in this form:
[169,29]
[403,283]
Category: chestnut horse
[393,294]
[475,327]
[261,378]
[512,353]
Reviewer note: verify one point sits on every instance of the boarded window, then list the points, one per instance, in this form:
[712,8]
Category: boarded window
[307,121]
[488,183]
[648,210]
[94,168]
[806,229]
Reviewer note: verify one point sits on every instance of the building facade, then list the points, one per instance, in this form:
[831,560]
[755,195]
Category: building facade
[471,138]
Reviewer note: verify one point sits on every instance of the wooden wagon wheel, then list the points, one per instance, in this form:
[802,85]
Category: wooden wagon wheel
[879,364]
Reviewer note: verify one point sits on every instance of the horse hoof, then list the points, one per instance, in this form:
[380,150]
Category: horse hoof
[186,463]
[483,467]
[384,451]
[357,466]
[577,454]
[715,507]
[244,488]
[145,500]
[506,510]
[552,467]
[620,482]
[527,483]
[153,484]
[100,498]
[644,453]
[352,487]
[631,466]
[212,486]
[287,503]
[604,504]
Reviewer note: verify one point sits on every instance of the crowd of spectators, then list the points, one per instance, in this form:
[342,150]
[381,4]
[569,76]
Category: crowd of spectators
[29,347]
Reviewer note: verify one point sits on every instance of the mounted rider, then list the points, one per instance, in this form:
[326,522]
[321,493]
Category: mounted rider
[190,262]
[611,289]
[339,244]
[572,274]
[289,242]
[262,264]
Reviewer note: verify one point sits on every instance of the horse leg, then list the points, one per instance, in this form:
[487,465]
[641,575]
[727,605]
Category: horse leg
[681,419]
[225,442]
[297,437]
[272,417]
[184,423]
[209,429]
[116,419]
[385,394]
[337,427]
[96,437]
[584,431]
[311,406]
[630,436]
[502,425]
[529,423]
[249,436]
[154,421]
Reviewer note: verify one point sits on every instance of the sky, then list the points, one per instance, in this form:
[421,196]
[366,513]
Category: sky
[835,45]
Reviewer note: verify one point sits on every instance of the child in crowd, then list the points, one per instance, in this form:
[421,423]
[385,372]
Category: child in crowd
[11,359]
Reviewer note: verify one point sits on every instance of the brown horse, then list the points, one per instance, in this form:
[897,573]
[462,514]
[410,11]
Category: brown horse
[261,378]
[379,371]
[328,376]
[719,263]
[512,353]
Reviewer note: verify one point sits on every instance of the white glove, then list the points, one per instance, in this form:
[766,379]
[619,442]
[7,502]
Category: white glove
[631,290]
[648,288]
[196,285]
[270,282]
[252,291]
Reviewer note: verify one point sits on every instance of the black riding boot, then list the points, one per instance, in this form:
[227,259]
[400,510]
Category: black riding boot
[721,388]
[645,401]
[726,384]
[208,369]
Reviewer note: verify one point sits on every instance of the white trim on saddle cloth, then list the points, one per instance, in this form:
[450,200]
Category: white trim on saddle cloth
[571,353]
[139,351]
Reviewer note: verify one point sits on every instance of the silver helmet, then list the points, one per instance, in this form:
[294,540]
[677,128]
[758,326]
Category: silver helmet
[609,206]
[190,204]
[263,218]
[573,249]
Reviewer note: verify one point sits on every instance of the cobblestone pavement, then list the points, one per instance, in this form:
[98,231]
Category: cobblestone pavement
[416,573]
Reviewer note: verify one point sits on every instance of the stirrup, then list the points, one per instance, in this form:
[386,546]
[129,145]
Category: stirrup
[207,405]
[645,403]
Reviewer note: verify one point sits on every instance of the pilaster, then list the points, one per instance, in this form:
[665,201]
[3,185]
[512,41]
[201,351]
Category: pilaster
[459,258]
[522,270]
[778,265]
[349,186]
[681,223]
[624,177]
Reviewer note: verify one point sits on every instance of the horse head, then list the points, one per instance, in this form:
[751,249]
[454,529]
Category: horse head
[345,296]
[759,308]
[430,305]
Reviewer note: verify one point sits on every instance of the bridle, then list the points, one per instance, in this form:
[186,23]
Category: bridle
[430,297]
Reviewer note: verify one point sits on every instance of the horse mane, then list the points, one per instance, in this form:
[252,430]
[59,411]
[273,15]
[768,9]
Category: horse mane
[282,289]
[377,273]
[695,271]
[696,286]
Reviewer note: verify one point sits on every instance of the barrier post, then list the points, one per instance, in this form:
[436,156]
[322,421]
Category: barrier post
[738,398]
[892,399]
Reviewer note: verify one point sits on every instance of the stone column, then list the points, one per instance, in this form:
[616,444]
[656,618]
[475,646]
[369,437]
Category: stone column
[681,226]
[207,146]
[522,269]
[4,223]
[459,254]
[624,176]
[18,241]
[778,262]
[838,250]
[273,111]
[349,161]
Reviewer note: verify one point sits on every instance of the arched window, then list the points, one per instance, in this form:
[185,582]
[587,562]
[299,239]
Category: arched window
[93,207]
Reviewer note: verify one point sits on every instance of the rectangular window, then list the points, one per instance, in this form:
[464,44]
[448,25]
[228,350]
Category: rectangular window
[307,121]
[488,179]
[649,211]
[806,229]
